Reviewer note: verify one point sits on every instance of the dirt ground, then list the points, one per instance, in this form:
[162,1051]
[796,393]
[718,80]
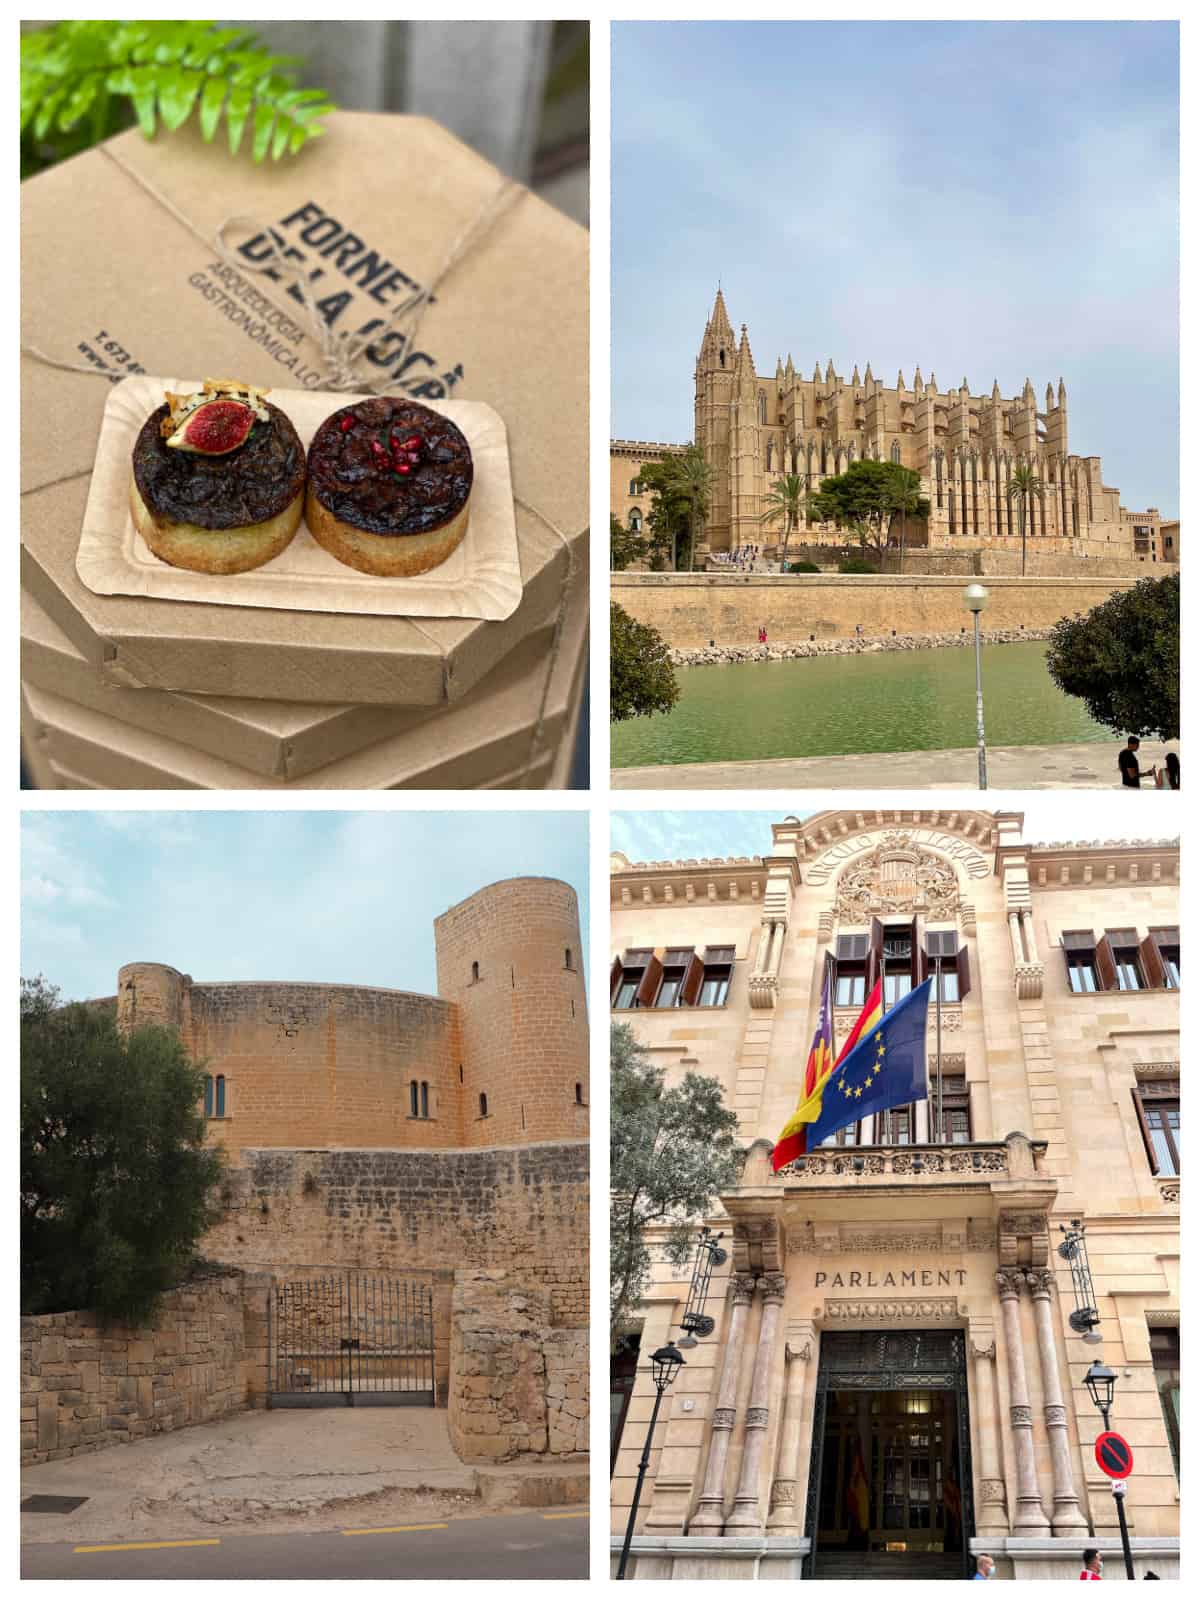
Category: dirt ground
[302,1469]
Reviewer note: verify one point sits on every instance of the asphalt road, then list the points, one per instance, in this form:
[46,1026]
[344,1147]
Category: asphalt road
[525,1544]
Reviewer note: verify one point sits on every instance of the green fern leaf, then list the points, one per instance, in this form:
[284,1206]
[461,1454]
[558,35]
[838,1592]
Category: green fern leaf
[283,131]
[143,87]
[79,100]
[264,121]
[46,112]
[236,112]
[211,102]
[176,97]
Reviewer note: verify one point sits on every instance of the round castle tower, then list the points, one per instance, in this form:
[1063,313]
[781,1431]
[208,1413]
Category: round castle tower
[147,992]
[510,958]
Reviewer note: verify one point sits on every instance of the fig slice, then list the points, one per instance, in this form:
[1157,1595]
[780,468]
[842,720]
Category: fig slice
[214,429]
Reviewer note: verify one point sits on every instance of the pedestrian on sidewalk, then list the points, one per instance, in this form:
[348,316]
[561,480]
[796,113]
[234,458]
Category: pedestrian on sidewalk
[1093,1565]
[1127,764]
[984,1567]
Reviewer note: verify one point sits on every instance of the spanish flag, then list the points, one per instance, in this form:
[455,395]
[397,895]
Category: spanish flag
[821,1066]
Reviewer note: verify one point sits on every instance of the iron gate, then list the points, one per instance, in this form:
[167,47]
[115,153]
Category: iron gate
[352,1339]
[933,1359]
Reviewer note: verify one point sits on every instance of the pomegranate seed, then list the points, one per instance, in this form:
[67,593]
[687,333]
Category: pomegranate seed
[346,424]
[413,442]
[404,468]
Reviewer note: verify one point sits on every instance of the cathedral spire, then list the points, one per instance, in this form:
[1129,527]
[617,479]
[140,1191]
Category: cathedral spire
[964,387]
[933,383]
[829,371]
[1049,398]
[745,363]
[855,379]
[900,384]
[778,369]
[719,321]
[1062,392]
[867,378]
[789,371]
[1027,391]
[918,382]
[816,372]
[995,388]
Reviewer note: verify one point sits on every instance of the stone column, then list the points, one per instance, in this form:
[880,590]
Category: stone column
[746,1516]
[1031,1517]
[1067,1518]
[1014,933]
[784,1518]
[991,1501]
[764,939]
[710,1510]
[1030,937]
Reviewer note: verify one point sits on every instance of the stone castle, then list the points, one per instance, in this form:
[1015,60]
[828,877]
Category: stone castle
[431,1148]
[755,429]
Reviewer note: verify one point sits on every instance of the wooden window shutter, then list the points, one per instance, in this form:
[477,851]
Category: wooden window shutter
[692,979]
[1106,967]
[1140,1112]
[963,962]
[1152,964]
[651,978]
[616,973]
[875,955]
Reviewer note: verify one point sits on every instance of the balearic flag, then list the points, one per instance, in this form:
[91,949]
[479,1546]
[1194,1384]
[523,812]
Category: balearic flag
[885,1069]
[791,1142]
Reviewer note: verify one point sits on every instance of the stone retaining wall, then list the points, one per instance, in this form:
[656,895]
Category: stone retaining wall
[850,647]
[85,1386]
[692,609]
[517,1388]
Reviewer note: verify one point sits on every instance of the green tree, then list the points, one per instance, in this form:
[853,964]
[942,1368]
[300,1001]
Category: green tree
[673,1151]
[641,677]
[1025,487]
[905,500]
[694,480]
[116,1182]
[865,499]
[1122,659]
[785,498]
[681,490]
[624,545]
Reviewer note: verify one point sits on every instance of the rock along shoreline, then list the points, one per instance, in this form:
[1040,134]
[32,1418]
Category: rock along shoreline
[731,655]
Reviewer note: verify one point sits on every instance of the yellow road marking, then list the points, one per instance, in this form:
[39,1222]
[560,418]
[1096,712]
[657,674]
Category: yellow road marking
[158,1544]
[411,1527]
[557,1516]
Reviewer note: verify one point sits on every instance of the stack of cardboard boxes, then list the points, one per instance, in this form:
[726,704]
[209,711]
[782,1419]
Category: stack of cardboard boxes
[122,273]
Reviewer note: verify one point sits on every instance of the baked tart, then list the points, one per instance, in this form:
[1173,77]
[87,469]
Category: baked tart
[389,483]
[218,479]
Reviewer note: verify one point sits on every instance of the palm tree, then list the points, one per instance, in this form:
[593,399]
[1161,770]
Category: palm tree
[785,498]
[693,480]
[1024,486]
[904,496]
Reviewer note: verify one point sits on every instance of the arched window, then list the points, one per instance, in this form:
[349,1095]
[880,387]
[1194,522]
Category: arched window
[635,521]
[762,407]
[896,452]
[474,972]
[220,1096]
[483,1105]
[578,1094]
[208,1096]
[424,1099]
[567,962]
[413,1104]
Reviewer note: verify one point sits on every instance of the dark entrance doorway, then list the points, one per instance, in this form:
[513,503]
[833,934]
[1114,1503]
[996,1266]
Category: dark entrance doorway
[352,1339]
[889,1492]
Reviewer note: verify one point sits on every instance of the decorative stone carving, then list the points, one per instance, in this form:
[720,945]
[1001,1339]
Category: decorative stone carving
[783,1493]
[757,1245]
[723,1417]
[914,1161]
[1155,1069]
[1029,979]
[743,1289]
[951,1063]
[848,1238]
[790,1354]
[1162,1319]
[762,990]
[756,1416]
[774,1286]
[893,1313]
[1056,1416]
[992,1490]
[1008,1282]
[825,927]
[898,875]
[1168,1189]
[1040,1281]
[984,1353]
[1021,1416]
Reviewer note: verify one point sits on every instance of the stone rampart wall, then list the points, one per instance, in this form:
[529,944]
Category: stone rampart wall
[85,1385]
[524,1208]
[689,610]
[517,1388]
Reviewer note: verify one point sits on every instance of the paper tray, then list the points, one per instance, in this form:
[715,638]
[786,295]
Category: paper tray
[481,579]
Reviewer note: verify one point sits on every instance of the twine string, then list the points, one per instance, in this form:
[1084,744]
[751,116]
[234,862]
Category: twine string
[341,352]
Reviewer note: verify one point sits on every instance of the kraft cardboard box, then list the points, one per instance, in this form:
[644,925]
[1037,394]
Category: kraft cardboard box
[121,271]
[482,745]
[275,738]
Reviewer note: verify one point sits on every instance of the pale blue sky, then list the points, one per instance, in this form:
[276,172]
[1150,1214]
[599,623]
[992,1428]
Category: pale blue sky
[307,896]
[988,200]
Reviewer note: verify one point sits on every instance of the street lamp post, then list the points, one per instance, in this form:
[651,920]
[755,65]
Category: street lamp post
[975,597]
[1100,1381]
[665,1365]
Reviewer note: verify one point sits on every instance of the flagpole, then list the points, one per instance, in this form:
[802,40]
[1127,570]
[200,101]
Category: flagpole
[882,1010]
[938,1109]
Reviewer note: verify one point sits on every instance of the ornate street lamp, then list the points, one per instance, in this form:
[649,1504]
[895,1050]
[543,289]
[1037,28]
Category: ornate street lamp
[1100,1381]
[975,597]
[694,1322]
[664,1365]
[1085,1318]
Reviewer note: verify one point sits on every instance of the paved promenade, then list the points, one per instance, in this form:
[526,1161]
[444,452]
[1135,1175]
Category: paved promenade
[1057,766]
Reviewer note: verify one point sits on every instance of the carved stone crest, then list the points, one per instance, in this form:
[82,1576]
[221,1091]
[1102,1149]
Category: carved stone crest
[898,875]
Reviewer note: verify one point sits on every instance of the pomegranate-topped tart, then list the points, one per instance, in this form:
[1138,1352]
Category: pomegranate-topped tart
[218,479]
[388,485]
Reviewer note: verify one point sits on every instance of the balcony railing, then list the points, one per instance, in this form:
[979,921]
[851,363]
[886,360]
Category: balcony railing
[910,1162]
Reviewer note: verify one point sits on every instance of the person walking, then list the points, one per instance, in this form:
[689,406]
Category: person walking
[984,1567]
[1172,770]
[1093,1565]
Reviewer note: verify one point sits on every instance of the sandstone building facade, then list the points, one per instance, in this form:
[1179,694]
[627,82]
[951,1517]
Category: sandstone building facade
[892,1321]
[754,428]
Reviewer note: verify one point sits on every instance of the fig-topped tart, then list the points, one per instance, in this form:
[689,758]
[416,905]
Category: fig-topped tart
[389,482]
[218,479]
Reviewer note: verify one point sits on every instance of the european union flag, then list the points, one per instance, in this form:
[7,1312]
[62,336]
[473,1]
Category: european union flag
[885,1069]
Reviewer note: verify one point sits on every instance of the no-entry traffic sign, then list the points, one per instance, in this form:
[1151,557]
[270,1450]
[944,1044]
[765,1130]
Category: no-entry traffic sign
[1113,1455]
